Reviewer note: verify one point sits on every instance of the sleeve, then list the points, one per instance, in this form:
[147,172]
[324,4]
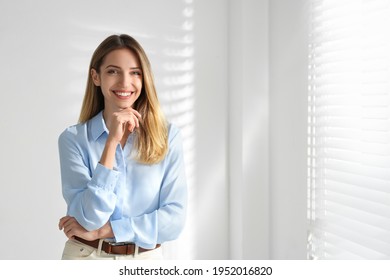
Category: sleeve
[89,194]
[167,222]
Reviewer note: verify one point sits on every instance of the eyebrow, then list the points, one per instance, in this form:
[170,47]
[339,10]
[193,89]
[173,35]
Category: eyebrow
[114,66]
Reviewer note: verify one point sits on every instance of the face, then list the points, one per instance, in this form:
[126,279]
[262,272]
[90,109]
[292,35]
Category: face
[120,79]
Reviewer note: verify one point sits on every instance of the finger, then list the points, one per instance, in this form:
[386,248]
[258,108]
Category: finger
[70,231]
[132,124]
[130,113]
[136,122]
[62,221]
[69,234]
[137,114]
[70,221]
[134,112]
[69,224]
[67,230]
[132,127]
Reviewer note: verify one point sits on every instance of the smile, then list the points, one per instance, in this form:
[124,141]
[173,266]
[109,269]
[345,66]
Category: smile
[123,93]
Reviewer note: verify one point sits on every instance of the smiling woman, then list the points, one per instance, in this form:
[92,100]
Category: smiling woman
[122,166]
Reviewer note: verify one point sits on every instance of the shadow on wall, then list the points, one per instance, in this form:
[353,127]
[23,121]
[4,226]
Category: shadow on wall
[169,45]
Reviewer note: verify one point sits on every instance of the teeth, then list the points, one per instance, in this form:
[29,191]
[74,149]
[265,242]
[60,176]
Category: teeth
[123,93]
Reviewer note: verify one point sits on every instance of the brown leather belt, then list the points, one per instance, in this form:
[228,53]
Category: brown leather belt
[116,249]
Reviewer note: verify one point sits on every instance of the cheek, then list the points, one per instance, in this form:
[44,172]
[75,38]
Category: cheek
[140,82]
[139,85]
[109,82]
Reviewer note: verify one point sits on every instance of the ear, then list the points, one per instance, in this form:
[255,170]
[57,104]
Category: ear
[95,77]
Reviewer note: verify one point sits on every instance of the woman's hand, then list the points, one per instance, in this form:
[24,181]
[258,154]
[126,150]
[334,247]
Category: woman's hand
[72,228]
[127,119]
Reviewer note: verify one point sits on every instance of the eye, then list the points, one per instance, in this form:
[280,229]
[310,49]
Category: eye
[136,73]
[112,71]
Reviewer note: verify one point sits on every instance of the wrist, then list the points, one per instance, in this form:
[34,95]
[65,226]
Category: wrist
[112,141]
[105,231]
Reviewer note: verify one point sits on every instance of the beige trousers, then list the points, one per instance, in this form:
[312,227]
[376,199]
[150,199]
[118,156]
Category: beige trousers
[75,250]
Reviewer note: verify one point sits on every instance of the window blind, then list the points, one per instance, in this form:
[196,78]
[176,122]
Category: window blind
[349,129]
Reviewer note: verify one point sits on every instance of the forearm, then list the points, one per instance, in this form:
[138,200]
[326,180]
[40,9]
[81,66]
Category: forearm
[108,156]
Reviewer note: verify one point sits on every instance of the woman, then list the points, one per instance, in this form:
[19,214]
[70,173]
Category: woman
[122,165]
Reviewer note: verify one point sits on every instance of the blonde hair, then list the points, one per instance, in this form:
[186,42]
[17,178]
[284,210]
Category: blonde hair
[152,136]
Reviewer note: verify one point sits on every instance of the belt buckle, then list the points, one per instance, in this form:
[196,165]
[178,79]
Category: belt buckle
[113,243]
[130,247]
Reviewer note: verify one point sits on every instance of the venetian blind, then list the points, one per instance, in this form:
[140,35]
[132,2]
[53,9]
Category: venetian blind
[349,129]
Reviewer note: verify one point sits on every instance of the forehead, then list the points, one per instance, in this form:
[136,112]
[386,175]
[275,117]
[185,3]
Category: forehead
[122,58]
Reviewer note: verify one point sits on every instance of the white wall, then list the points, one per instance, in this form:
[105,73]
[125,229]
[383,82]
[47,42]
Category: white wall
[288,128]
[211,233]
[248,129]
[267,129]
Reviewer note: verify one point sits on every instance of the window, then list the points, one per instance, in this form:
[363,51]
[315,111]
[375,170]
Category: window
[349,130]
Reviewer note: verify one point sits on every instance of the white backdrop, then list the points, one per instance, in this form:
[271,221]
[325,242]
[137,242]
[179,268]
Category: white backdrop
[214,62]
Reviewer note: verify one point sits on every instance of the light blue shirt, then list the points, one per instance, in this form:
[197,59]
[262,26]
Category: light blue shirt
[145,204]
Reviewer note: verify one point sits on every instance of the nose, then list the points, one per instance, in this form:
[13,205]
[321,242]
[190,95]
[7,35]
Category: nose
[126,80]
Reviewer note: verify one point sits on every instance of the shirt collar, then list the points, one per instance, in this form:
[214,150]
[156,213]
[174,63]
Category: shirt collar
[98,126]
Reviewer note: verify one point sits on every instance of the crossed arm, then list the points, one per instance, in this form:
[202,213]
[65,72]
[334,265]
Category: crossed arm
[72,228]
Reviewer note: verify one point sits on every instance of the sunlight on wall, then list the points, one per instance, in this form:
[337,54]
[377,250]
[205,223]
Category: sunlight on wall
[178,102]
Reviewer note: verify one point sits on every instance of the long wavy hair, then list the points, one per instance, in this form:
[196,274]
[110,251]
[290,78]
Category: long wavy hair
[151,141]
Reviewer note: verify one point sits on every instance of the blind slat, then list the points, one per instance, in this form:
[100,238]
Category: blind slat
[349,129]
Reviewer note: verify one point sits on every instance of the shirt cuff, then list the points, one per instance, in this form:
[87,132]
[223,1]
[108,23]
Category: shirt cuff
[104,177]
[123,231]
